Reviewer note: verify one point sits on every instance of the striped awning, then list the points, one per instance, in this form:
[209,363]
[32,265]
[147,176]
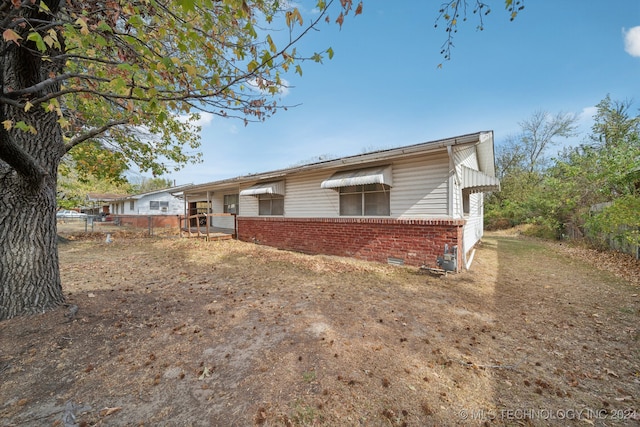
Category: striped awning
[264,188]
[377,175]
[477,182]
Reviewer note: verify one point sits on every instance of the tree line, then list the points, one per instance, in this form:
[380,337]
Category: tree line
[592,189]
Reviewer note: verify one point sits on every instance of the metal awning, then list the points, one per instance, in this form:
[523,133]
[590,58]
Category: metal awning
[264,188]
[377,175]
[478,182]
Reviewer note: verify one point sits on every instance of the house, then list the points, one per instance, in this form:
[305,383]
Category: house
[136,209]
[98,203]
[405,205]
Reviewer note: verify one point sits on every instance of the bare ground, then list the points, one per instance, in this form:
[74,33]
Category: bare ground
[178,332]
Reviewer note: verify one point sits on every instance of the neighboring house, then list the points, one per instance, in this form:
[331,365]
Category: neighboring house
[402,205]
[98,203]
[150,204]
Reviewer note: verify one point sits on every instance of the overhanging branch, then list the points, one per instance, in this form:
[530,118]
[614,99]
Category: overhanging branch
[92,133]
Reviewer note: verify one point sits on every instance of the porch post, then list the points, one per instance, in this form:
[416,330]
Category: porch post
[208,211]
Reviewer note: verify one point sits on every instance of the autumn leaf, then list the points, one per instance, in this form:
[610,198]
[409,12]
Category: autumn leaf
[358,9]
[84,29]
[108,411]
[11,36]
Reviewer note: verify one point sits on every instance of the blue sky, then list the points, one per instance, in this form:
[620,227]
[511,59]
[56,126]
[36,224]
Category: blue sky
[383,88]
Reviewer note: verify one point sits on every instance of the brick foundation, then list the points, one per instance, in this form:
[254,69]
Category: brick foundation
[415,242]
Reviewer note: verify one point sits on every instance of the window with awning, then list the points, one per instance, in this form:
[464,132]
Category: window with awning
[272,188]
[376,175]
[363,192]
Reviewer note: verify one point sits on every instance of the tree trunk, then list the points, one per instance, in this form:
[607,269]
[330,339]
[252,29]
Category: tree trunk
[29,159]
[29,270]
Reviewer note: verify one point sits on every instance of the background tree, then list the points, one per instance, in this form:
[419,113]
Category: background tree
[129,77]
[521,164]
[558,196]
[143,184]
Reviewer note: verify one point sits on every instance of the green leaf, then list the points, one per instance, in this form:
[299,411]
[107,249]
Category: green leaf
[37,38]
[330,53]
[25,127]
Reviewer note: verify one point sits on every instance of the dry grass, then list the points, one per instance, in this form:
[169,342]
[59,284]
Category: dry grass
[187,332]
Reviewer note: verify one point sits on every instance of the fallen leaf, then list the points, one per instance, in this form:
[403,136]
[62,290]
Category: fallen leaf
[610,372]
[206,372]
[108,411]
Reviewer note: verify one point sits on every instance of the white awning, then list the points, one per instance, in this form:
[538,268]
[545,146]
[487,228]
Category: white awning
[264,188]
[377,175]
[478,182]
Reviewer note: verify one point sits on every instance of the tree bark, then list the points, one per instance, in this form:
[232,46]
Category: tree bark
[29,269]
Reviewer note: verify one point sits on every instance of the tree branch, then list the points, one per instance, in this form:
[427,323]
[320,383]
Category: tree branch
[92,133]
[19,159]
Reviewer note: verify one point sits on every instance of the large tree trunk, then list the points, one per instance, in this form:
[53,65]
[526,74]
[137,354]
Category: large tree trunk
[29,273]
[29,270]
[29,159]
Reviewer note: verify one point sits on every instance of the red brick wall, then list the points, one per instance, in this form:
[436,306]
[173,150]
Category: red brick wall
[416,242]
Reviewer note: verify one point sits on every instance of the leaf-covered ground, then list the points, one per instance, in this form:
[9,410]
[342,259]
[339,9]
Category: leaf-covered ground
[186,332]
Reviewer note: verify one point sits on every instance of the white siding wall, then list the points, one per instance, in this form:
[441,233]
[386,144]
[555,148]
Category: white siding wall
[249,205]
[474,225]
[176,206]
[305,198]
[419,191]
[466,156]
[217,206]
[420,186]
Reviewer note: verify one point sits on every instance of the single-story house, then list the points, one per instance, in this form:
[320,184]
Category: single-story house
[98,203]
[136,209]
[407,205]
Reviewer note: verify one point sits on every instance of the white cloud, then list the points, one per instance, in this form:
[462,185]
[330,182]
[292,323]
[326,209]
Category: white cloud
[632,41]
[587,113]
[204,120]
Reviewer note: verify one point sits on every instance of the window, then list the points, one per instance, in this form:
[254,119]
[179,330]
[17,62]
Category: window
[230,203]
[365,200]
[270,204]
[132,205]
[157,205]
[466,202]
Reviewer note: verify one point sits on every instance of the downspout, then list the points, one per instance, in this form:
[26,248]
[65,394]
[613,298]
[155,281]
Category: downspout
[450,186]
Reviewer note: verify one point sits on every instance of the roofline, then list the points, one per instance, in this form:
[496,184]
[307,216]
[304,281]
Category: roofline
[353,160]
[169,190]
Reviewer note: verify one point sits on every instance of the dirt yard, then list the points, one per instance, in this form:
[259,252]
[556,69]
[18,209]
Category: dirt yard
[177,332]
